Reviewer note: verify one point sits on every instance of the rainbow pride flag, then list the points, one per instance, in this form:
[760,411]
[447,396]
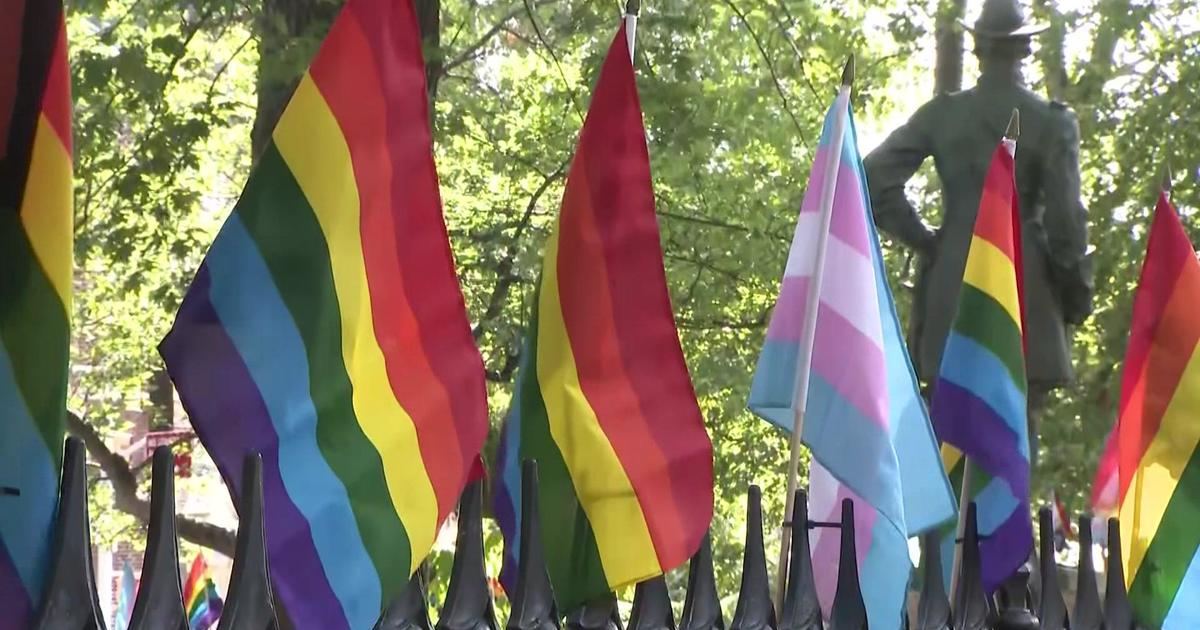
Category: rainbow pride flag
[865,421]
[36,248]
[979,398]
[603,400]
[200,600]
[1158,431]
[326,329]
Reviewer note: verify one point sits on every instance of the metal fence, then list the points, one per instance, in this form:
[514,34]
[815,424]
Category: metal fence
[71,601]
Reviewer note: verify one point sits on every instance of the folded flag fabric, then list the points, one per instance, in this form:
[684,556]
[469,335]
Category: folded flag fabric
[979,397]
[1104,488]
[326,330]
[200,600]
[36,239]
[1158,432]
[603,400]
[865,420]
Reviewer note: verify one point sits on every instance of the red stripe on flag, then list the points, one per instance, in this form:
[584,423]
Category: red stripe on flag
[618,313]
[994,223]
[422,245]
[56,99]
[1164,331]
[361,109]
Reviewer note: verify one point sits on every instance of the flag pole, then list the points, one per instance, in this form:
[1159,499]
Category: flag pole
[809,332]
[631,16]
[1010,139]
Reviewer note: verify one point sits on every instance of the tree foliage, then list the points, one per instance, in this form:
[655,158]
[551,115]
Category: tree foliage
[169,94]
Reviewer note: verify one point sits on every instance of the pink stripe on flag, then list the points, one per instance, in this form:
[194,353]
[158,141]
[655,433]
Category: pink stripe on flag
[861,381]
[825,503]
[849,212]
[850,295]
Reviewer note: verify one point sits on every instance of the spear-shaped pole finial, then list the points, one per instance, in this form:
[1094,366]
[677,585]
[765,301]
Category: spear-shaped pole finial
[632,7]
[1014,125]
[848,72]
[1167,182]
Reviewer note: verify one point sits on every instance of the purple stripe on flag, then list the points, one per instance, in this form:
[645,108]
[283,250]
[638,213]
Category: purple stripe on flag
[507,491]
[849,214]
[195,345]
[14,602]
[987,438]
[1006,549]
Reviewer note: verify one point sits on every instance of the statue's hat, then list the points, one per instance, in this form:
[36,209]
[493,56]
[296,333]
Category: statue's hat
[1003,19]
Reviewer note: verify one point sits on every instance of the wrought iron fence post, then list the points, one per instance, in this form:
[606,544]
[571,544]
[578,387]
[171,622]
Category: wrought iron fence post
[1088,615]
[468,598]
[1118,613]
[652,606]
[159,603]
[533,605]
[70,601]
[410,609]
[754,608]
[600,614]
[702,605]
[971,608]
[849,612]
[933,607]
[249,603]
[1052,610]
[801,609]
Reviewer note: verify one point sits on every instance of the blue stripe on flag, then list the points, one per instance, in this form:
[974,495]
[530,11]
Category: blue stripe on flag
[26,521]
[979,371]
[257,321]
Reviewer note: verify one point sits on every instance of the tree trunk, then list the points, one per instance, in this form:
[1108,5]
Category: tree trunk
[948,71]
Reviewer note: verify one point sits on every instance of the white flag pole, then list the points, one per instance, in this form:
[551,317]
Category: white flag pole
[1010,144]
[808,334]
[631,16]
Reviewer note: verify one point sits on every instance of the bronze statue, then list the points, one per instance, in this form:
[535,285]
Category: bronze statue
[960,131]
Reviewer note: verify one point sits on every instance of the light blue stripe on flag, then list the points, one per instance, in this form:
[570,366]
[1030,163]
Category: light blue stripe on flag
[26,521]
[1184,613]
[256,319]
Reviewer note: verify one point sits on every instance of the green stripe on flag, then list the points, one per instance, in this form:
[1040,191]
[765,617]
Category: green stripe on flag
[572,557]
[1171,551]
[984,319]
[289,238]
[35,332]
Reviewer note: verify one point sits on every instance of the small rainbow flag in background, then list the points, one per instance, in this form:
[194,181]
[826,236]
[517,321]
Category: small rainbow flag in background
[1158,432]
[865,421]
[603,400]
[200,599]
[326,329]
[979,398]
[36,240]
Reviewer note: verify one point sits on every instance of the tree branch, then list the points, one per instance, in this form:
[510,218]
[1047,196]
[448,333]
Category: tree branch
[787,105]
[469,52]
[125,495]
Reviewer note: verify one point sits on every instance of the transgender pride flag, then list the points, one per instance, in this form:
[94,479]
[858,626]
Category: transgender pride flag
[865,421]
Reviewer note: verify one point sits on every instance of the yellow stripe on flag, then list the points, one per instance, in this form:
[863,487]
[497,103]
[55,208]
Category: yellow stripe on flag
[1154,482]
[991,271]
[312,144]
[605,492]
[47,209]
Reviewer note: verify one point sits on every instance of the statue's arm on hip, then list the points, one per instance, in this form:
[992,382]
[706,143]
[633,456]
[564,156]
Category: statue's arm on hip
[1065,218]
[888,169]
